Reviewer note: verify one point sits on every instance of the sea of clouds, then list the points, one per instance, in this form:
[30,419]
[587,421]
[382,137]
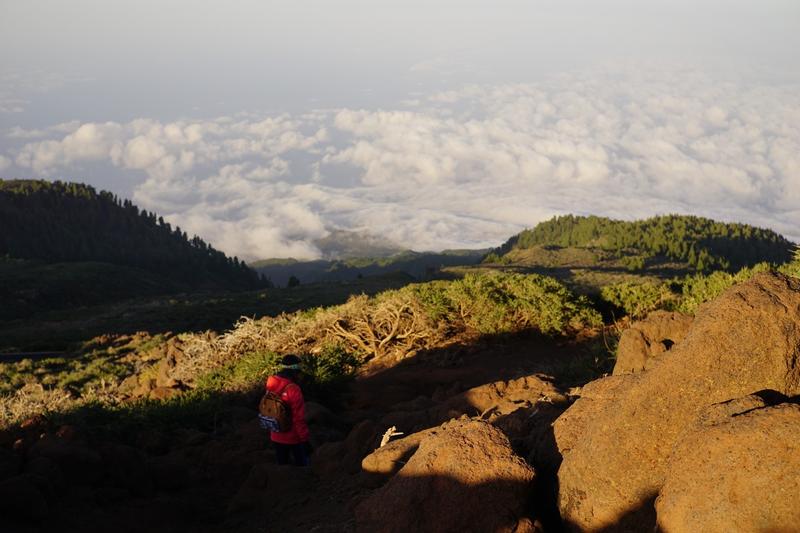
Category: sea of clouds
[462,168]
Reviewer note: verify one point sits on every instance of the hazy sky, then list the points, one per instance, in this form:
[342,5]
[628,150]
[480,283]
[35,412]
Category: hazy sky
[261,125]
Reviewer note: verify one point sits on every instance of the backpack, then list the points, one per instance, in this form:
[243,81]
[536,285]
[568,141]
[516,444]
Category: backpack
[274,414]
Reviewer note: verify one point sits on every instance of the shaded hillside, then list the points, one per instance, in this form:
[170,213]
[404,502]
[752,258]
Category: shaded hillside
[70,222]
[40,325]
[701,243]
[421,265]
[341,244]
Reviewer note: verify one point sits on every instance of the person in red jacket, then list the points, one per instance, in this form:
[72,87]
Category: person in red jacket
[294,442]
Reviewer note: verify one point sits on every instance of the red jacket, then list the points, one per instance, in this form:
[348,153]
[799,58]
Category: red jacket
[293,396]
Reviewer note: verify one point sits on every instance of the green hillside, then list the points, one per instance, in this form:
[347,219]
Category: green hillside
[701,243]
[59,222]
[66,245]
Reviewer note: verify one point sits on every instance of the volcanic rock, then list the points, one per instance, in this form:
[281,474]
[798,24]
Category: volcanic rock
[616,440]
[463,477]
[647,339]
[735,471]
[387,460]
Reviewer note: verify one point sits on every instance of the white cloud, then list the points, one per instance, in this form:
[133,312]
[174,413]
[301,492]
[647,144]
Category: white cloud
[4,163]
[465,168]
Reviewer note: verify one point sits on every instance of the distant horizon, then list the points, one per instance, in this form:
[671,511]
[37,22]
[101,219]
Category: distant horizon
[261,126]
[399,249]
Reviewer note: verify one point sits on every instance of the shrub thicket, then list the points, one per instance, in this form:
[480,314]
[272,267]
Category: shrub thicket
[491,303]
[638,299]
[333,342]
[684,295]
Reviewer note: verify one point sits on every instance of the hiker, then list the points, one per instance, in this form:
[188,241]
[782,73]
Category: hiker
[294,441]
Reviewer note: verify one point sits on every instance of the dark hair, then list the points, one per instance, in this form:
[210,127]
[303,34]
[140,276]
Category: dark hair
[290,359]
[289,367]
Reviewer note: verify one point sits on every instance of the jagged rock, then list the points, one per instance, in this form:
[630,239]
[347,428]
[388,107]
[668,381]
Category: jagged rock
[129,385]
[737,470]
[164,371]
[617,438]
[647,339]
[500,397]
[497,398]
[529,429]
[463,477]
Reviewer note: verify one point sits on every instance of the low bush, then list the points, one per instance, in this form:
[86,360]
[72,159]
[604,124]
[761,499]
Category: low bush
[493,302]
[684,295]
[638,299]
[701,288]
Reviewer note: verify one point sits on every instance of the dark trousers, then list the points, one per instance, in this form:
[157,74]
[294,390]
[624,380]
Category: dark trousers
[296,451]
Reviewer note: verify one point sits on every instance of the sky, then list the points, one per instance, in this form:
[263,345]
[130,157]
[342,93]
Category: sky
[263,125]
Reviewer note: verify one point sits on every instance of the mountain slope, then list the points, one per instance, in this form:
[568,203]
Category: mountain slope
[702,243]
[68,222]
[420,265]
[64,245]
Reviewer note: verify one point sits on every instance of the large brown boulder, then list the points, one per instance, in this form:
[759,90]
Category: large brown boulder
[738,470]
[387,460]
[616,440]
[463,477]
[496,398]
[500,397]
[647,339]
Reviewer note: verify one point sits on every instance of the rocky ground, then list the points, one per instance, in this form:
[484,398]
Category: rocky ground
[698,429]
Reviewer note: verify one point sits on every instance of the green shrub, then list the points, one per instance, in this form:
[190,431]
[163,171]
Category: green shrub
[331,367]
[638,299]
[495,302]
[701,288]
[792,268]
[241,373]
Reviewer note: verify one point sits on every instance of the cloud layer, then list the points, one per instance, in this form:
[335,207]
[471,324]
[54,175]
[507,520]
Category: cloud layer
[462,168]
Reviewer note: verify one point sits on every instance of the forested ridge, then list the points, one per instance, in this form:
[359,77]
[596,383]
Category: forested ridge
[701,242]
[59,222]
[419,265]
